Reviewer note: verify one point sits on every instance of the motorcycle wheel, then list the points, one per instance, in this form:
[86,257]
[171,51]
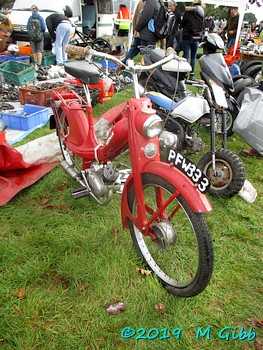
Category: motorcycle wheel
[101,45]
[254,72]
[230,173]
[241,84]
[62,130]
[240,97]
[182,257]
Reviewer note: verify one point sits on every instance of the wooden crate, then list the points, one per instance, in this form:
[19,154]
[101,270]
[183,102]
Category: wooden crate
[247,57]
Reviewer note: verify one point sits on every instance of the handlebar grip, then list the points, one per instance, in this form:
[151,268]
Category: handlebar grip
[77,50]
[171,51]
[104,56]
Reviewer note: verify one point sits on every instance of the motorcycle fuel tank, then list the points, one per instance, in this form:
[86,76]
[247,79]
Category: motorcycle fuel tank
[190,108]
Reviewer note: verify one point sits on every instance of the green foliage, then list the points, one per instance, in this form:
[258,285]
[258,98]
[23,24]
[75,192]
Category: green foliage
[250,17]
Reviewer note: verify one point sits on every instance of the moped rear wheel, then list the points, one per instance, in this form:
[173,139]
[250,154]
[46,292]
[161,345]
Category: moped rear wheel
[182,256]
[62,131]
[229,175]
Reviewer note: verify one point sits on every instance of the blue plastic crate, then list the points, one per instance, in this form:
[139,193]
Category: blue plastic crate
[25,118]
[5,58]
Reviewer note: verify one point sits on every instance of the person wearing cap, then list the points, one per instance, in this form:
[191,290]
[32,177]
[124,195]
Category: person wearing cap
[59,27]
[172,6]
[37,46]
[193,28]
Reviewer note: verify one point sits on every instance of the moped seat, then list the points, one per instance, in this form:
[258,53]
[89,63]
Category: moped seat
[157,54]
[86,72]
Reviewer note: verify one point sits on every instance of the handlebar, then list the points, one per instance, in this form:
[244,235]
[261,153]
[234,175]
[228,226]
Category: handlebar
[170,54]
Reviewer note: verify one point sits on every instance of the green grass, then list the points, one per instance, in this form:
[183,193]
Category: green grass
[64,254]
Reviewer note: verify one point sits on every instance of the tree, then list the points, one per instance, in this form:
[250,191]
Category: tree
[250,17]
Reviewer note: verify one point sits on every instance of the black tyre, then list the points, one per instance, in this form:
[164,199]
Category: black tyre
[62,128]
[230,173]
[254,70]
[182,254]
[101,45]
[240,97]
[241,84]
[246,65]
[238,77]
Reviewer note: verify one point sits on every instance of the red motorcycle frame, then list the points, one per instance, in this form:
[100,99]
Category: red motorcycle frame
[155,196]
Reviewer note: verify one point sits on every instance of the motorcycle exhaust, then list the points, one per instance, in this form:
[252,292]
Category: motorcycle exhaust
[69,169]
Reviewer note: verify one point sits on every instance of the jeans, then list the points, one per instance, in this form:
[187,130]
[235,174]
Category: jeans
[190,46]
[134,50]
[230,43]
[62,38]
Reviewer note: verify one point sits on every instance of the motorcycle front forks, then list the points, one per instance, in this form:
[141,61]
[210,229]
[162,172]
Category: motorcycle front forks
[213,134]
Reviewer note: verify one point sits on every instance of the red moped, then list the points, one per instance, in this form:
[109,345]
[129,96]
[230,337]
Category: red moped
[162,203]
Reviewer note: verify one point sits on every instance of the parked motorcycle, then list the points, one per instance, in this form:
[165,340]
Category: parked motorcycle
[162,202]
[223,167]
[173,84]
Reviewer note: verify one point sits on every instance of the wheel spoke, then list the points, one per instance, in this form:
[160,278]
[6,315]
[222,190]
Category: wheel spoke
[176,255]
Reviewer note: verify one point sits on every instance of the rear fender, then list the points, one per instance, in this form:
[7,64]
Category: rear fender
[197,201]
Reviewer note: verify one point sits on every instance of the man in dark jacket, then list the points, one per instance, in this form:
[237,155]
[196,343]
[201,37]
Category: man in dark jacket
[193,27]
[178,21]
[149,11]
[231,27]
[209,23]
[59,27]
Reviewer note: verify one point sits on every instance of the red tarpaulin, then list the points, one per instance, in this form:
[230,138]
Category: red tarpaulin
[15,174]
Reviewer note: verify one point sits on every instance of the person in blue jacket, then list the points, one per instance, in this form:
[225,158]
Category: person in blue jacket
[36,30]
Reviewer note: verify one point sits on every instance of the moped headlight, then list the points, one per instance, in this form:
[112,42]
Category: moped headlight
[152,126]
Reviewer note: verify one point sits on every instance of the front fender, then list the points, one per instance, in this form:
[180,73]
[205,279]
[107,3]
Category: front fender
[197,201]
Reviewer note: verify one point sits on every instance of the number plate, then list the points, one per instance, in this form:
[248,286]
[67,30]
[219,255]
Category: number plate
[189,169]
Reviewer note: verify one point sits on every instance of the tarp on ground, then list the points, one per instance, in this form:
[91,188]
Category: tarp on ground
[22,167]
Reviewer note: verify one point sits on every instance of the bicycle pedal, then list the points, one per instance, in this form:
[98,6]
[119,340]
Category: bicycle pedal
[80,192]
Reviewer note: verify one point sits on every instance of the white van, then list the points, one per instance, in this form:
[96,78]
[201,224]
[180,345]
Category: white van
[97,15]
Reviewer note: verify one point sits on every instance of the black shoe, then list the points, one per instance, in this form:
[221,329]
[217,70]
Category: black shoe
[192,78]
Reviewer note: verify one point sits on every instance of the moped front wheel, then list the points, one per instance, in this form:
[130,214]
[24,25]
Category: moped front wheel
[228,177]
[181,255]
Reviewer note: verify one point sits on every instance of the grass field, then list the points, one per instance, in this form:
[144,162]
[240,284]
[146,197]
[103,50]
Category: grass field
[63,260]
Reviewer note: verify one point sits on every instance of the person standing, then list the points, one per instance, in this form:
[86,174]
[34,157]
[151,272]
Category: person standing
[59,27]
[231,27]
[36,28]
[209,23]
[149,11]
[172,5]
[193,28]
[136,41]
[123,21]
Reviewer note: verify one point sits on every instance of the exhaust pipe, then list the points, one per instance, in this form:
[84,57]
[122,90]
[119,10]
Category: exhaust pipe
[69,169]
